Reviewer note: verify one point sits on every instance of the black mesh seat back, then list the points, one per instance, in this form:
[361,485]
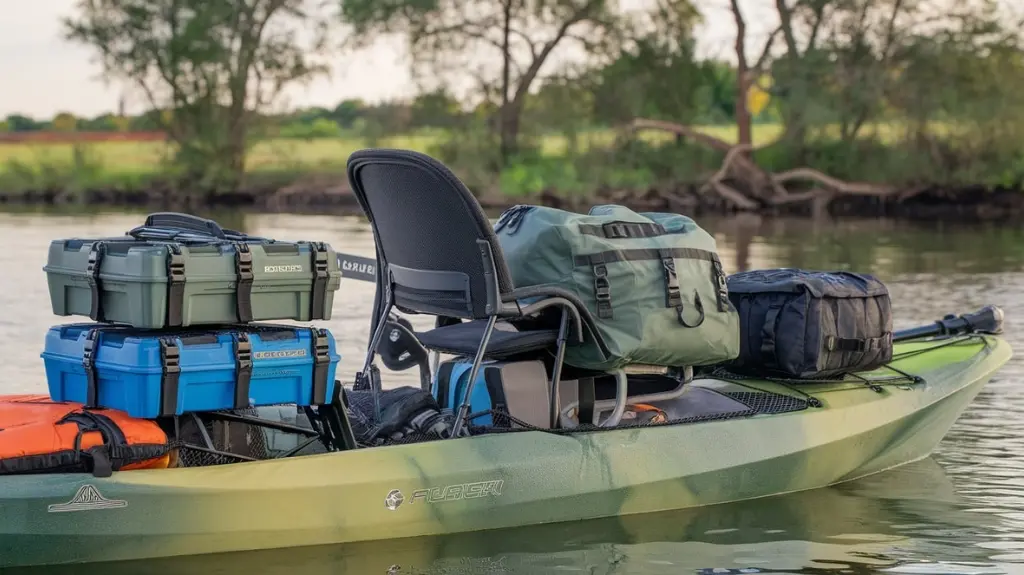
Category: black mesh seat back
[426,221]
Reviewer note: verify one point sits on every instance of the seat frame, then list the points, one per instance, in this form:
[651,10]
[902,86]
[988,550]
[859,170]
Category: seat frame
[575,320]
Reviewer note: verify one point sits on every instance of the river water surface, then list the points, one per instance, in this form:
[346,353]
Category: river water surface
[959,512]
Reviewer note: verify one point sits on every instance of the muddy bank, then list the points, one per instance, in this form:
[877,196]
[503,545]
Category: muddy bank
[334,196]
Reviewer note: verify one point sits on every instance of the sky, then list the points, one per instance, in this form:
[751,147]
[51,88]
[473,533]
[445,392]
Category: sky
[42,74]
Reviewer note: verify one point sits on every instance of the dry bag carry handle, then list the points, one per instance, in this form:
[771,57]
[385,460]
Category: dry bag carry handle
[180,221]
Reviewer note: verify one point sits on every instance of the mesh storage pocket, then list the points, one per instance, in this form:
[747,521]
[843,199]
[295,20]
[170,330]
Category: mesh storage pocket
[198,439]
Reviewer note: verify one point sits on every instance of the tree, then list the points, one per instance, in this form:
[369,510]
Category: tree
[212,65]
[652,79]
[347,112]
[64,122]
[121,123]
[19,123]
[855,61]
[435,109]
[462,39]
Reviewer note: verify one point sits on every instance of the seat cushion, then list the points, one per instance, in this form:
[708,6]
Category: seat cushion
[506,341]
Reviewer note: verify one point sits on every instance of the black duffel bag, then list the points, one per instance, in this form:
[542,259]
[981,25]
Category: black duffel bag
[809,324]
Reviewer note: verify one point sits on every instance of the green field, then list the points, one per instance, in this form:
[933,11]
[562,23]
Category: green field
[323,154]
[132,164]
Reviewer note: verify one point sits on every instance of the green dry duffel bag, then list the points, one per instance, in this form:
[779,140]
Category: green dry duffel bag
[652,281]
[190,273]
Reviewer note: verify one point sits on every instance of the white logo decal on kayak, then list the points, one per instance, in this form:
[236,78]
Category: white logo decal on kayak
[458,492]
[394,499]
[88,498]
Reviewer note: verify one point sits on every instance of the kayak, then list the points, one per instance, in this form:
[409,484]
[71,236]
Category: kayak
[870,522]
[783,438]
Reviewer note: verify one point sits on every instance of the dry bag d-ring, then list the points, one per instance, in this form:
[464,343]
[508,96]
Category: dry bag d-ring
[700,308]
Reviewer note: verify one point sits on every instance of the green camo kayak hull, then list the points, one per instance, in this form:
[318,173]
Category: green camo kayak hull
[501,480]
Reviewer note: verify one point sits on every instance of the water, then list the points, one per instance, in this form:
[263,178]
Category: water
[959,512]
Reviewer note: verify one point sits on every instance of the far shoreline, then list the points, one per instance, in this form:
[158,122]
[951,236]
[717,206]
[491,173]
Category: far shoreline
[333,197]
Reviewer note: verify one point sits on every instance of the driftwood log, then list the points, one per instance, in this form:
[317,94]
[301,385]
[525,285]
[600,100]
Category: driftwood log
[748,187]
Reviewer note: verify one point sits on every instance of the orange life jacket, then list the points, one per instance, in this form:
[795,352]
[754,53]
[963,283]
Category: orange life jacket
[644,412]
[38,435]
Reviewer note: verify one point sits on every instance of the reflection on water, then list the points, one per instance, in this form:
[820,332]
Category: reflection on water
[961,511]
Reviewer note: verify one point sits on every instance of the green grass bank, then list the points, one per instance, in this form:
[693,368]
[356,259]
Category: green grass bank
[652,170]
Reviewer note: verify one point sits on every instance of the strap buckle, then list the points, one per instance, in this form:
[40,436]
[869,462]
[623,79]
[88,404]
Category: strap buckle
[170,355]
[243,287]
[602,291]
[321,348]
[92,270]
[89,364]
[243,351]
[602,287]
[320,260]
[176,267]
[615,230]
[721,286]
[318,303]
[243,259]
[170,358]
[175,286]
[243,369]
[321,360]
[92,277]
[90,344]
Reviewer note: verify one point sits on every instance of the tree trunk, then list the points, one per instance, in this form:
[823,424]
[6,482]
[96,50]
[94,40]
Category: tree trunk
[509,131]
[742,113]
[507,126]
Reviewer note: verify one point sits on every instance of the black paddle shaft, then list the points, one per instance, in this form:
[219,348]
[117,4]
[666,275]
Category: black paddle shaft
[988,319]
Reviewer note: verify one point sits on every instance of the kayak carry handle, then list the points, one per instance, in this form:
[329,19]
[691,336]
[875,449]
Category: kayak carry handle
[988,319]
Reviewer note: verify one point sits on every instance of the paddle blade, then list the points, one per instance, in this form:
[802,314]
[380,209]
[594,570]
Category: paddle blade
[988,319]
[357,268]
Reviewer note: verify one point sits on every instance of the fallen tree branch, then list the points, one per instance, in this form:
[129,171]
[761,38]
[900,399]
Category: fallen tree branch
[839,186]
[729,193]
[742,182]
[708,140]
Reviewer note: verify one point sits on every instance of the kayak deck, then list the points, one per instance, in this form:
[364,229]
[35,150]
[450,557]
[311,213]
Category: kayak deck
[791,438]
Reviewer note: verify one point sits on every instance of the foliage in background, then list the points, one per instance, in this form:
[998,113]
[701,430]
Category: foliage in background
[893,91]
[211,65]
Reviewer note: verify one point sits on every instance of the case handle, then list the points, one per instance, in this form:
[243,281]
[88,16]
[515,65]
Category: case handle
[181,227]
[183,221]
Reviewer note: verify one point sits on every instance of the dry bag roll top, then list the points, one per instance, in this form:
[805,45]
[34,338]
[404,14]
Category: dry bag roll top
[811,324]
[652,281]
